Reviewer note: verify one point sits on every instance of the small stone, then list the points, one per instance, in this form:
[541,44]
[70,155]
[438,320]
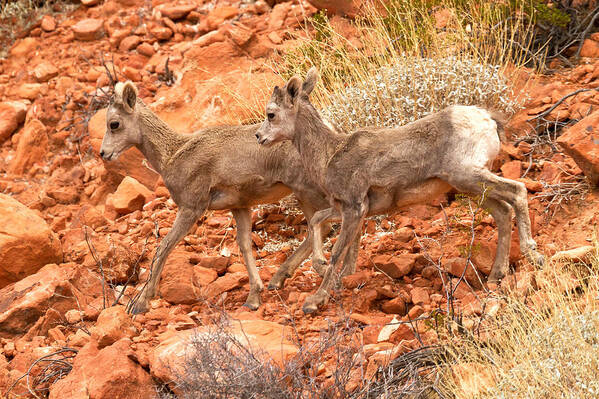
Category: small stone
[88,29]
[48,23]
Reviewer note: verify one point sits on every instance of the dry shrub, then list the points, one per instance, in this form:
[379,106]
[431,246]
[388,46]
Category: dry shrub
[543,345]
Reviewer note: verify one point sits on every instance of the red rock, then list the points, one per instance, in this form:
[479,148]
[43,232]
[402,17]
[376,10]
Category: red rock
[26,242]
[130,196]
[130,163]
[419,295]
[129,43]
[113,324]
[264,338]
[276,18]
[12,114]
[177,11]
[161,32]
[218,263]
[119,261]
[53,286]
[395,266]
[177,281]
[223,284]
[132,73]
[146,49]
[32,148]
[394,306]
[24,48]
[275,37]
[240,34]
[590,48]
[512,170]
[88,29]
[103,374]
[354,280]
[30,91]
[48,23]
[44,72]
[403,333]
[581,142]
[415,312]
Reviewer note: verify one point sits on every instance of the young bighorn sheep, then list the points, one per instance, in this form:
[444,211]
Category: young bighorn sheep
[215,168]
[375,171]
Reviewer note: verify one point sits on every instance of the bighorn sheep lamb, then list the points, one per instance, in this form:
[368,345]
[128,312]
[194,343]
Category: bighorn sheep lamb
[215,168]
[375,171]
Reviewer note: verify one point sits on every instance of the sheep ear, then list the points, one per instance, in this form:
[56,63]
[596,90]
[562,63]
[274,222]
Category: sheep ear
[129,96]
[310,82]
[293,88]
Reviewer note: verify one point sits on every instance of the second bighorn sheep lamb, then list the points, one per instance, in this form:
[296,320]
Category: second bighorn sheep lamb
[215,168]
[376,171]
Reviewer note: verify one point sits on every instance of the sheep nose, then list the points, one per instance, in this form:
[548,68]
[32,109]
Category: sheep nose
[258,136]
[102,153]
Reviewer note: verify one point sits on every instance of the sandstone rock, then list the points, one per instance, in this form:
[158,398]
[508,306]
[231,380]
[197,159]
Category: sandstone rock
[12,114]
[48,23]
[90,3]
[395,266]
[590,48]
[583,254]
[146,49]
[223,284]
[217,263]
[349,8]
[44,72]
[512,169]
[419,295]
[396,306]
[129,43]
[26,242]
[130,196]
[30,91]
[176,11]
[272,340]
[103,374]
[161,32]
[88,29]
[119,261]
[53,286]
[130,163]
[177,279]
[33,146]
[113,324]
[24,48]
[581,142]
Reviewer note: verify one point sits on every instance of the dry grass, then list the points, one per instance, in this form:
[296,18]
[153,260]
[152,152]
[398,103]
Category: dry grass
[541,345]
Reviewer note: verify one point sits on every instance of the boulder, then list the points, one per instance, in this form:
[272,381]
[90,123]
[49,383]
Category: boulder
[395,266]
[590,48]
[130,163]
[12,114]
[223,284]
[26,242]
[113,324]
[108,373]
[180,281]
[130,196]
[263,338]
[581,142]
[60,287]
[32,147]
[89,29]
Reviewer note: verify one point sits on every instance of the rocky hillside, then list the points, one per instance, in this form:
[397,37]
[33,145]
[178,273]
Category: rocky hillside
[79,233]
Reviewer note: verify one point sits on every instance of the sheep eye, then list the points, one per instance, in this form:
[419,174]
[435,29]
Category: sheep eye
[114,125]
[271,116]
